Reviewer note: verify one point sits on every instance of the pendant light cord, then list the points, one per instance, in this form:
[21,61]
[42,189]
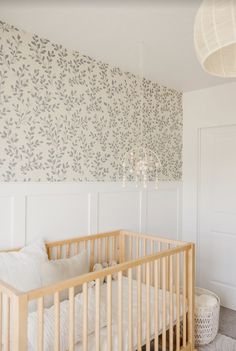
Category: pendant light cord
[141,76]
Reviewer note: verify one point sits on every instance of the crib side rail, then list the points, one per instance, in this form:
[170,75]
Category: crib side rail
[135,245]
[102,247]
[80,280]
[180,306]
[158,238]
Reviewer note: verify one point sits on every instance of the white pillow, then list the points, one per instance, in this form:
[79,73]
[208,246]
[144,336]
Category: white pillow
[63,269]
[21,269]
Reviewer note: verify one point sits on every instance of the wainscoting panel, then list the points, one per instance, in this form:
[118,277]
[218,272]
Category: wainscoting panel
[57,216]
[118,208]
[55,211]
[163,209]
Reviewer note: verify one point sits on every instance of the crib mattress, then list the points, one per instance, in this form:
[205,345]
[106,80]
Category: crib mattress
[103,331]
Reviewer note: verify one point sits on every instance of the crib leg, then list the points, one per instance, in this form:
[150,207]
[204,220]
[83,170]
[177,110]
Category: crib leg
[191,295]
[20,322]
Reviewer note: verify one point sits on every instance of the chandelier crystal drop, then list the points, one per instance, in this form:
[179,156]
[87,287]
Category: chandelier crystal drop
[141,164]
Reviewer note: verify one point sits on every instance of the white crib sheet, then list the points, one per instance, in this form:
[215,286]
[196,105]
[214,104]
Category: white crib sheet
[64,318]
[103,331]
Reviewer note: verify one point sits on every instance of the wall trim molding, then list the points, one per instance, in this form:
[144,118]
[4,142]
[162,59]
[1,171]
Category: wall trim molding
[45,209]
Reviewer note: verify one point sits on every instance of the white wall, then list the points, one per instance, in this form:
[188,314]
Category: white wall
[63,210]
[202,109]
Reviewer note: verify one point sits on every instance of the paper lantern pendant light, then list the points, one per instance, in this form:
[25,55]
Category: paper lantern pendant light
[215,37]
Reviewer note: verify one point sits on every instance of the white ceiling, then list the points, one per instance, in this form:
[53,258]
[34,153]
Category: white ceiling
[111,31]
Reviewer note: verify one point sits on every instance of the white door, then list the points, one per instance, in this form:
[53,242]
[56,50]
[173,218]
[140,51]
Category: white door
[217,212]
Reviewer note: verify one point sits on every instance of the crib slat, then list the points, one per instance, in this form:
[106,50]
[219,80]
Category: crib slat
[190,294]
[152,263]
[100,250]
[7,336]
[144,247]
[152,247]
[144,254]
[107,259]
[167,269]
[85,317]
[121,248]
[130,247]
[156,304]
[130,310]
[97,317]
[49,253]
[40,324]
[164,304]
[76,248]
[177,304]
[57,321]
[160,267]
[139,303]
[67,250]
[184,298]
[91,255]
[148,306]
[71,319]
[109,313]
[137,247]
[120,314]
[58,252]
[113,248]
[0,321]
[171,305]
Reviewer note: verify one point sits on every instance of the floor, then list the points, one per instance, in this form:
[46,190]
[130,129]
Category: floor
[226,339]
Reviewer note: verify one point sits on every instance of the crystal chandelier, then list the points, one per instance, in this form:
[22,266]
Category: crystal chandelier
[140,164]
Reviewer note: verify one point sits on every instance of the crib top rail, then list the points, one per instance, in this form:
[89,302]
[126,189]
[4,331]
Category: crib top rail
[171,244]
[9,290]
[83,238]
[115,233]
[160,239]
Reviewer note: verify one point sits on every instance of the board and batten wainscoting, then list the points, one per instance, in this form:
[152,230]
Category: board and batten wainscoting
[56,211]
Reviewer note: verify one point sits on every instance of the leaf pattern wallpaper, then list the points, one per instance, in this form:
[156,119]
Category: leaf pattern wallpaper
[66,117]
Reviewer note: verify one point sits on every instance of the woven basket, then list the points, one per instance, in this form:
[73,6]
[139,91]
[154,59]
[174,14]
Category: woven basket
[206,320]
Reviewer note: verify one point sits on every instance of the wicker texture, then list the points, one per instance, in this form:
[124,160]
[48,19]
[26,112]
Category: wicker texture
[215,37]
[206,320]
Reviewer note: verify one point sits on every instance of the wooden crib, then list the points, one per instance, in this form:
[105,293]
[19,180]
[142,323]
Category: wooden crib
[162,265]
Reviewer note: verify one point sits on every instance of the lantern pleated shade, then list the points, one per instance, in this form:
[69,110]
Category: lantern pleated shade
[215,37]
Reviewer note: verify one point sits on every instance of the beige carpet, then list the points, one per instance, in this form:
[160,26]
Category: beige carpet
[221,343]
[225,340]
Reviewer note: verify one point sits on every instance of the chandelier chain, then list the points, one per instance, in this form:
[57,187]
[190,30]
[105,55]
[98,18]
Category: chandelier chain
[140,164]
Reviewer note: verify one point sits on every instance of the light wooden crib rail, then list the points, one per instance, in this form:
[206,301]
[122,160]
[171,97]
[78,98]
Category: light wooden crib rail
[149,265]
